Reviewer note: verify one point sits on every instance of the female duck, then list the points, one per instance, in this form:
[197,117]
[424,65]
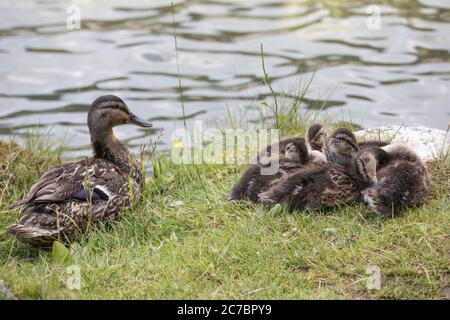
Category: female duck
[68,198]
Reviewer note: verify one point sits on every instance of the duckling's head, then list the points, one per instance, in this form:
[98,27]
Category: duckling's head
[109,111]
[366,166]
[297,151]
[340,145]
[316,136]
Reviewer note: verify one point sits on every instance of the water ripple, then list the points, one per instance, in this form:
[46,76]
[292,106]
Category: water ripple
[50,74]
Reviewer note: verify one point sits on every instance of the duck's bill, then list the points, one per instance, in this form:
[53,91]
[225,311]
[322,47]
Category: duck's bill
[373,182]
[140,122]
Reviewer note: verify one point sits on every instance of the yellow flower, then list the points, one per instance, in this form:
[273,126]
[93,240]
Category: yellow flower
[177,144]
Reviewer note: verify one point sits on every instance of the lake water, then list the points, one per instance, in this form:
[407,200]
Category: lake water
[391,70]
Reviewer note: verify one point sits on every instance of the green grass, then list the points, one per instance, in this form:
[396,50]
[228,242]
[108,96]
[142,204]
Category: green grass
[208,248]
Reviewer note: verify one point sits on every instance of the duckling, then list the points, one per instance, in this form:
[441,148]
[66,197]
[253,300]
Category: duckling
[398,151]
[70,197]
[326,185]
[340,145]
[314,142]
[253,180]
[402,185]
[404,182]
[277,148]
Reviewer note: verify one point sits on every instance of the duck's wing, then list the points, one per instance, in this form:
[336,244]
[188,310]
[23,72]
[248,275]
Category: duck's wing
[81,180]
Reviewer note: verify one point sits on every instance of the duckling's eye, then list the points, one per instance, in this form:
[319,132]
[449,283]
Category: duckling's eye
[366,159]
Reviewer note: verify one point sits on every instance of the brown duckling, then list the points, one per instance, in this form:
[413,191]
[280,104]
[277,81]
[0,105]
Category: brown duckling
[403,181]
[341,145]
[315,140]
[398,151]
[254,180]
[319,186]
[72,196]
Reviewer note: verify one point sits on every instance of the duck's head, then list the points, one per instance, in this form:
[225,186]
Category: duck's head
[316,136]
[297,151]
[110,111]
[341,143]
[366,167]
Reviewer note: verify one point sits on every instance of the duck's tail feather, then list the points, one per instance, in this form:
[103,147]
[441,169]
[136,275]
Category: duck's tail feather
[37,225]
[25,231]
[18,203]
[32,234]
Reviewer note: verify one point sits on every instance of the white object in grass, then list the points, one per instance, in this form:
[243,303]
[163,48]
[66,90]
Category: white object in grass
[428,143]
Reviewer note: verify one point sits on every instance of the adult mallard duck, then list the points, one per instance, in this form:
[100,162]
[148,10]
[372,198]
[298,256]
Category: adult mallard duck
[70,197]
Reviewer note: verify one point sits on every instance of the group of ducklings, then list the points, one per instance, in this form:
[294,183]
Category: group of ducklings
[324,171]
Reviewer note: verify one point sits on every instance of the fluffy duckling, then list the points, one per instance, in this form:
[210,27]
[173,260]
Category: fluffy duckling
[319,186]
[315,140]
[340,146]
[72,196]
[254,180]
[404,181]
[398,151]
[315,137]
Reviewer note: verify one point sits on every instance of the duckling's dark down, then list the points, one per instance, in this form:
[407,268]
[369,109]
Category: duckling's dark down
[314,141]
[70,197]
[341,146]
[320,186]
[403,181]
[254,180]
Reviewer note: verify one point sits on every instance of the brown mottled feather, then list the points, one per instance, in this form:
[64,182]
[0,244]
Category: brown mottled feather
[316,186]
